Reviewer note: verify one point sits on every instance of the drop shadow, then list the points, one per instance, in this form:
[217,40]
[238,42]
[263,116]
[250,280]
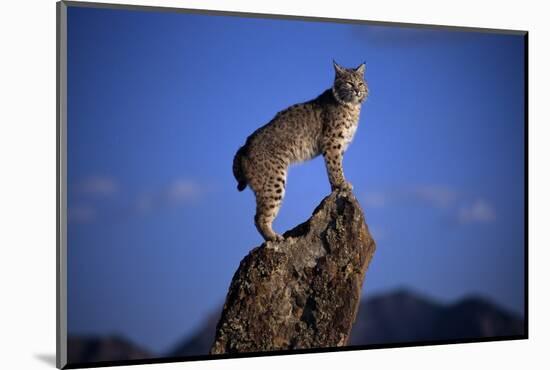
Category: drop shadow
[47,358]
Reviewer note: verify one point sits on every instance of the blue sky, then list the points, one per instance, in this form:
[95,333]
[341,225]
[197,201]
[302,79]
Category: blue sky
[158,103]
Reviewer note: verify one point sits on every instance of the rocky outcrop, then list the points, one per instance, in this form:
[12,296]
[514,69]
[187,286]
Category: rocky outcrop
[303,292]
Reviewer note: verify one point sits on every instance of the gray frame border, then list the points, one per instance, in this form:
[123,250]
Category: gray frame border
[61,176]
[61,186]
[240,14]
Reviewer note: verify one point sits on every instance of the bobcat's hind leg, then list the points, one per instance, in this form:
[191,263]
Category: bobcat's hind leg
[268,203]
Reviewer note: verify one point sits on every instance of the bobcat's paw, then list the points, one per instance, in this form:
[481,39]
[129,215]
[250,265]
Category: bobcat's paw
[278,238]
[273,241]
[274,238]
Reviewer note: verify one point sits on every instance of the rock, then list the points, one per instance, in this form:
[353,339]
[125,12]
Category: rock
[302,292]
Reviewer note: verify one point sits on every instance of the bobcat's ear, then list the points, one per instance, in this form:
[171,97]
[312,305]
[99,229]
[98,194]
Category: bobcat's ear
[339,70]
[361,68]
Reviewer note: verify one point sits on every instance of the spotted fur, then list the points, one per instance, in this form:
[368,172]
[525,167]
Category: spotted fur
[325,125]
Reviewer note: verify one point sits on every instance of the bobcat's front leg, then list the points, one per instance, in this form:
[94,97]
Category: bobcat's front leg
[333,155]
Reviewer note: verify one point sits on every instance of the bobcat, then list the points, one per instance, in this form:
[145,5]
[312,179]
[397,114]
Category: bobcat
[325,125]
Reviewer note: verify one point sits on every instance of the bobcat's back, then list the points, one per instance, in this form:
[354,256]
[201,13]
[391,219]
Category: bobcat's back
[293,135]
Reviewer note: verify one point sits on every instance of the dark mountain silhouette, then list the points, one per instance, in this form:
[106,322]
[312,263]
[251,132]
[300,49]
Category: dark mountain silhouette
[201,340]
[400,317]
[87,349]
[404,317]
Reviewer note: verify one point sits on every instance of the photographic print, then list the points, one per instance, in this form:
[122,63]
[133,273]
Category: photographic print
[237,184]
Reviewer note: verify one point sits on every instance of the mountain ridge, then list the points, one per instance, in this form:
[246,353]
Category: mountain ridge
[400,316]
[475,315]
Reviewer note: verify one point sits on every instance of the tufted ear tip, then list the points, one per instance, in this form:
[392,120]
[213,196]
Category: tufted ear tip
[361,69]
[337,67]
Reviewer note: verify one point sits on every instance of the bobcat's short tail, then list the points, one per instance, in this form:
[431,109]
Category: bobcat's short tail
[238,168]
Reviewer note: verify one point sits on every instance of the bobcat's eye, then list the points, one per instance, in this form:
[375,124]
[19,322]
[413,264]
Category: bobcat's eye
[349,84]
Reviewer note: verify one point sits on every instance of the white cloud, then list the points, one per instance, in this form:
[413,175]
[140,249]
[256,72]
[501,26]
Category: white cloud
[437,196]
[183,190]
[478,212]
[179,192]
[97,185]
[434,195]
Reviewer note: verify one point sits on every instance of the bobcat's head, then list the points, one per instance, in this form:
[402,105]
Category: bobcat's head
[350,86]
